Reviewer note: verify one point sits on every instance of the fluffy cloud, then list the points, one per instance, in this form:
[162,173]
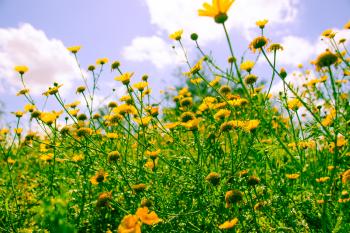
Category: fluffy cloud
[153,49]
[171,15]
[48,60]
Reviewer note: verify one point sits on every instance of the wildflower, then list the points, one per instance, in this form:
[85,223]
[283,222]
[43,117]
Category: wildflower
[326,59]
[294,104]
[250,79]
[138,187]
[261,23]
[146,217]
[112,135]
[140,86]
[144,121]
[47,157]
[74,49]
[292,176]
[229,224]
[329,33]
[213,178]
[187,116]
[247,65]
[80,89]
[250,125]
[274,47]
[176,35]
[49,117]
[347,25]
[102,61]
[18,131]
[196,68]
[112,104]
[129,224]
[225,89]
[84,131]
[322,179]
[253,180]
[77,158]
[22,92]
[115,65]
[345,176]
[153,154]
[215,81]
[18,114]
[52,90]
[233,196]
[125,78]
[91,68]
[99,177]
[21,69]
[218,10]
[186,102]
[103,199]
[221,114]
[192,124]
[82,117]
[258,43]
[231,60]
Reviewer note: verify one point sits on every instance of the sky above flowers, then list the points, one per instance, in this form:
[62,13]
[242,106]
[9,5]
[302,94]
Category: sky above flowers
[136,33]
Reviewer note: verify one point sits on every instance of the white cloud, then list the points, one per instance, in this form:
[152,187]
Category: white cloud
[153,49]
[48,60]
[172,15]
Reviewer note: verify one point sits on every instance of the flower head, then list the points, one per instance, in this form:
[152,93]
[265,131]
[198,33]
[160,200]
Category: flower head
[125,78]
[229,224]
[261,23]
[247,65]
[129,224]
[102,61]
[217,10]
[326,59]
[176,35]
[147,217]
[74,49]
[21,69]
[99,177]
[347,25]
[258,43]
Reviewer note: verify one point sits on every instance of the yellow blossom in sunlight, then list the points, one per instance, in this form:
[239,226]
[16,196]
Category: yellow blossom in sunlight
[217,10]
[125,109]
[322,179]
[144,121]
[347,25]
[221,114]
[18,131]
[130,224]
[153,154]
[18,114]
[21,69]
[50,117]
[29,108]
[74,49]
[229,224]
[326,59]
[102,61]
[275,47]
[294,104]
[47,157]
[247,65]
[146,217]
[292,176]
[112,135]
[176,35]
[77,158]
[250,125]
[261,23]
[22,92]
[329,33]
[196,68]
[99,177]
[345,176]
[215,81]
[125,78]
[258,43]
[191,124]
[52,90]
[140,85]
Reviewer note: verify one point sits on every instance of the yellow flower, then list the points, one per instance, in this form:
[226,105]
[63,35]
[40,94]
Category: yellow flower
[345,176]
[140,85]
[21,69]
[328,33]
[52,90]
[129,224]
[102,61]
[153,154]
[326,59]
[49,117]
[221,114]
[146,217]
[229,224]
[258,43]
[176,35]
[74,49]
[261,23]
[250,125]
[347,25]
[294,104]
[18,130]
[292,176]
[196,68]
[218,10]
[22,92]
[125,78]
[99,177]
[247,65]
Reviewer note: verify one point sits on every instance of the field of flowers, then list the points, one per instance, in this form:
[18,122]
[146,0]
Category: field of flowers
[226,156]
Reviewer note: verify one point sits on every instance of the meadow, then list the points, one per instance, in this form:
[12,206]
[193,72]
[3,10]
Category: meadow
[224,155]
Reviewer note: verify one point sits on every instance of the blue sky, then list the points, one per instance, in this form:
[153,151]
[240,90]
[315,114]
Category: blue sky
[135,32]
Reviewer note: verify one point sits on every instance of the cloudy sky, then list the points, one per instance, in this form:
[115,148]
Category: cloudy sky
[136,32]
